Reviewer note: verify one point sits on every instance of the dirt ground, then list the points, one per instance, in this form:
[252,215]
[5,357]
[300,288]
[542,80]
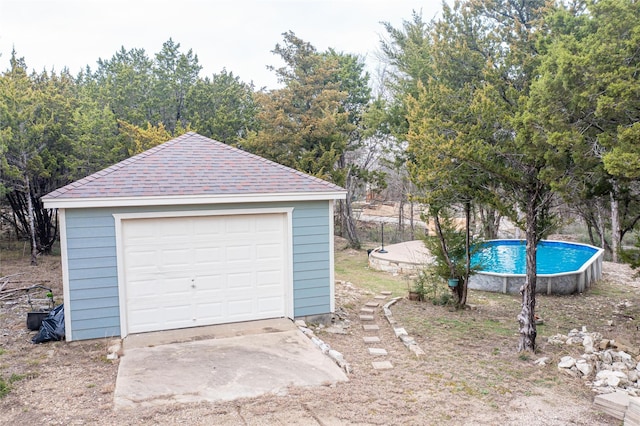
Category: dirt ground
[471,374]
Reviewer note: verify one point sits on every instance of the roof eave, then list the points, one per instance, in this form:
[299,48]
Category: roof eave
[73,203]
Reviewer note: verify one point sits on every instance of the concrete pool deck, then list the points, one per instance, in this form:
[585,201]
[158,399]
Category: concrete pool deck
[406,258]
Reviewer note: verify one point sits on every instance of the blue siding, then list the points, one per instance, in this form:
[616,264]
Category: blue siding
[92,264]
[93,278]
[311,255]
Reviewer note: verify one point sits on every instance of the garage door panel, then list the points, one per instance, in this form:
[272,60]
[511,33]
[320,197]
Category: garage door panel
[239,225]
[178,257]
[270,304]
[268,251]
[142,258]
[268,278]
[240,281]
[207,312]
[187,271]
[238,307]
[239,253]
[205,257]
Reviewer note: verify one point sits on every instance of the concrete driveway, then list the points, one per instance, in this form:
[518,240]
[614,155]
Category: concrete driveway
[219,363]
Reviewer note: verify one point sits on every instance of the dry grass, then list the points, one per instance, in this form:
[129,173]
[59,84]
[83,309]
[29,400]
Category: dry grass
[471,375]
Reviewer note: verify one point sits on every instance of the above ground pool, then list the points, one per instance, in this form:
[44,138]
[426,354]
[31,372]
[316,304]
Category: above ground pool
[563,267]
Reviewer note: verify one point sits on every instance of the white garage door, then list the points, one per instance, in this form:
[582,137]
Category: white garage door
[192,271]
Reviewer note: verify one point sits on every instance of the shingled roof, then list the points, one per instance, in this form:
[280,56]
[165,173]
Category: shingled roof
[192,165]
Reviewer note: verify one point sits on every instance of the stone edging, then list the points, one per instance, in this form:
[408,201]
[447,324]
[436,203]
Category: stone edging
[400,332]
[336,356]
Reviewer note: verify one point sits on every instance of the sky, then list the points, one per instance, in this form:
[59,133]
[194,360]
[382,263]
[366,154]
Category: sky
[237,35]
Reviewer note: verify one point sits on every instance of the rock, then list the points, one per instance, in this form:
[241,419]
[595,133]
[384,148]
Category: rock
[542,361]
[612,378]
[566,362]
[112,356]
[633,375]
[619,366]
[628,348]
[584,367]
[337,356]
[114,349]
[607,358]
[407,340]
[624,355]
[322,345]
[300,323]
[592,358]
[558,339]
[306,331]
[400,331]
[571,372]
[603,390]
[604,343]
[574,340]
[587,342]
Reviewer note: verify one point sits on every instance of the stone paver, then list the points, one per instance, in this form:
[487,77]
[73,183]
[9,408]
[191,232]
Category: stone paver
[367,310]
[372,304]
[366,317]
[371,339]
[381,365]
[377,351]
[380,297]
[370,327]
[386,293]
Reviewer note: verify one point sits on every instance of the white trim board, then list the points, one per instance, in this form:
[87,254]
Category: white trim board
[181,200]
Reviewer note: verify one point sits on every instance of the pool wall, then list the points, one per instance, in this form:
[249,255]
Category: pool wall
[564,283]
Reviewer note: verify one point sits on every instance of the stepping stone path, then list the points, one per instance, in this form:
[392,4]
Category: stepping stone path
[367,318]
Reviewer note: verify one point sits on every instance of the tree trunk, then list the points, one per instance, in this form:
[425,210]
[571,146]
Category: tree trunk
[412,225]
[349,227]
[32,227]
[615,223]
[463,287]
[526,318]
[401,218]
[600,227]
[443,244]
[490,220]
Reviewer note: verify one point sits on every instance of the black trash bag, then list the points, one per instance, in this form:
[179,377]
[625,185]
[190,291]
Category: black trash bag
[52,327]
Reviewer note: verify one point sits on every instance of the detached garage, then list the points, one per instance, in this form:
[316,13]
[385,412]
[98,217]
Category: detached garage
[190,233]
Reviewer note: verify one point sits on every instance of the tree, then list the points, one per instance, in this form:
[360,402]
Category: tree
[125,84]
[175,73]
[587,98]
[469,123]
[222,108]
[137,139]
[95,137]
[34,112]
[302,125]
[313,123]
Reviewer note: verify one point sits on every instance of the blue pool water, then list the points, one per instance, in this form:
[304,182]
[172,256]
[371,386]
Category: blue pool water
[553,257]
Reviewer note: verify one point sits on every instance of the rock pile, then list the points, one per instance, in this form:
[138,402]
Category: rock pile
[606,366]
